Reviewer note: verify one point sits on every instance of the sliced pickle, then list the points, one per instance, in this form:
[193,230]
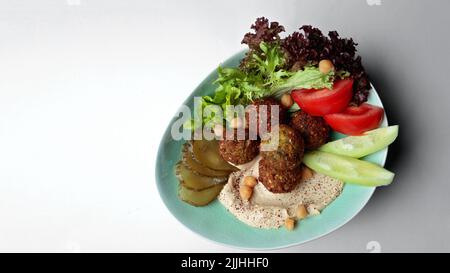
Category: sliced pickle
[199,198]
[207,153]
[193,164]
[195,181]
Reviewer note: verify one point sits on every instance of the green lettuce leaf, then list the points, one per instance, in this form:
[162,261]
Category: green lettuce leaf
[308,78]
[262,76]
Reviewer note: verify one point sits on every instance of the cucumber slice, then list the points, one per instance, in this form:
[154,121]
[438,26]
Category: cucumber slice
[359,146]
[348,169]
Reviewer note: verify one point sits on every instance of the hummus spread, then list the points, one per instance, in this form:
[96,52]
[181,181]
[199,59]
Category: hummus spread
[270,210]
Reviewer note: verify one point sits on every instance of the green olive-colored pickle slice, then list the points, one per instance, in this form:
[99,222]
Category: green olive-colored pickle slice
[195,181]
[199,198]
[193,164]
[207,153]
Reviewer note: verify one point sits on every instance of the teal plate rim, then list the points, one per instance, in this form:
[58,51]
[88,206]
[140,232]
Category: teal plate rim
[216,224]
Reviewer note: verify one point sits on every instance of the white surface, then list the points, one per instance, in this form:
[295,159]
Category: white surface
[87,88]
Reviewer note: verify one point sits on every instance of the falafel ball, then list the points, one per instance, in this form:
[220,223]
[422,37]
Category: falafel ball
[288,154]
[237,151]
[264,114]
[314,130]
[278,181]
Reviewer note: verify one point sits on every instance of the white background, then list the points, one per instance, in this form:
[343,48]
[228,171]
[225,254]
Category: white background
[87,88]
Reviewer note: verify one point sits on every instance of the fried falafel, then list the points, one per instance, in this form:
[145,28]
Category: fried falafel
[314,130]
[276,181]
[237,151]
[259,116]
[288,152]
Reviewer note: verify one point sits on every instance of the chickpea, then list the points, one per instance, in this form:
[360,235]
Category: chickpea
[286,100]
[301,212]
[246,192]
[236,123]
[289,224]
[218,130]
[307,173]
[250,181]
[312,210]
[325,66]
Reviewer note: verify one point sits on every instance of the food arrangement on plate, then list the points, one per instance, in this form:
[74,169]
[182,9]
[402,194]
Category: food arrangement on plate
[299,92]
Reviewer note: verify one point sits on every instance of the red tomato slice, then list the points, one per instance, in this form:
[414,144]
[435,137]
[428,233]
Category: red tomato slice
[356,120]
[324,101]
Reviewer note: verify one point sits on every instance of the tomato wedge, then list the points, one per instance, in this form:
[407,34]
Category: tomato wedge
[356,120]
[324,101]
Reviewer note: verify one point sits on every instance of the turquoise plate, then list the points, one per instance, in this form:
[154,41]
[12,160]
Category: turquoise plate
[215,223]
